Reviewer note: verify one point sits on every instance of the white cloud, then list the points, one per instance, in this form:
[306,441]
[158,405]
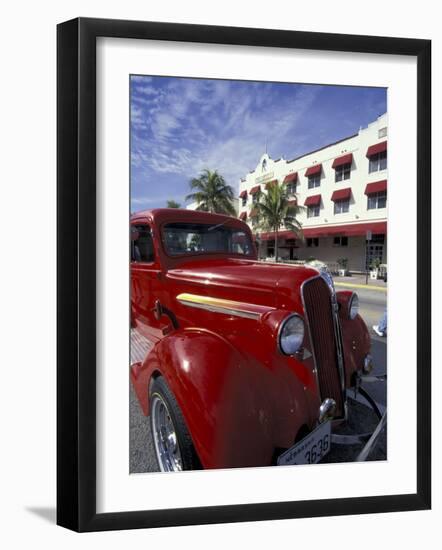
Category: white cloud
[177,161]
[141,78]
[147,90]
[163,124]
[195,124]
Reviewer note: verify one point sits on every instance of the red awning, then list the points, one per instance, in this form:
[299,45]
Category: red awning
[253,212]
[378,148]
[340,161]
[255,189]
[350,230]
[281,235]
[291,177]
[243,216]
[316,169]
[341,194]
[271,183]
[243,194]
[292,202]
[376,187]
[313,200]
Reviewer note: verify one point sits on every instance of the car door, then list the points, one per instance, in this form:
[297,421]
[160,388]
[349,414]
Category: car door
[146,282]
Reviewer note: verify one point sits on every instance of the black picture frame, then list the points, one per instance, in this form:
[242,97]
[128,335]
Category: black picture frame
[76,273]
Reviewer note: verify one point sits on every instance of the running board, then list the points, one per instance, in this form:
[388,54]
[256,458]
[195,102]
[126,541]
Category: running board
[139,346]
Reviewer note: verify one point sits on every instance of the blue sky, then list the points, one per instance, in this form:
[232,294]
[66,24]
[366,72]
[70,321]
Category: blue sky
[180,126]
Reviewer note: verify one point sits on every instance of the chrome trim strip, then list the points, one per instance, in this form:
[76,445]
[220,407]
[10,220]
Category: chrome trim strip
[218,305]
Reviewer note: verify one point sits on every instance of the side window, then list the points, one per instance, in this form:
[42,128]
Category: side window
[141,244]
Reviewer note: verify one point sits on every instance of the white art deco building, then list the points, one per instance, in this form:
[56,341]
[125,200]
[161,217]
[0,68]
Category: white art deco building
[343,187]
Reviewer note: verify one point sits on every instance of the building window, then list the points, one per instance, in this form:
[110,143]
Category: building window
[342,206]
[377,200]
[244,200]
[314,181]
[342,172]
[378,162]
[255,198]
[375,250]
[378,238]
[382,132]
[312,242]
[313,211]
[340,241]
[291,188]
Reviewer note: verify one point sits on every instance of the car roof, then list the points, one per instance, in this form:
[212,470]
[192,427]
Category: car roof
[163,215]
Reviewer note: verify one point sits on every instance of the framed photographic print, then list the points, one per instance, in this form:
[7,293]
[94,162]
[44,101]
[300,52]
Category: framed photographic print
[243,274]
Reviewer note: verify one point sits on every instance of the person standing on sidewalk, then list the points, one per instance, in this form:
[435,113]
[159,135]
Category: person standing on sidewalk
[381,328]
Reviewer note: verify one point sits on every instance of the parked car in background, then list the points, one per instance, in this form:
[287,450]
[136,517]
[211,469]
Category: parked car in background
[237,362]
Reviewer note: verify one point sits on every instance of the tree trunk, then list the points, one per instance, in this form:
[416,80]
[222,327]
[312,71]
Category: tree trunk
[276,244]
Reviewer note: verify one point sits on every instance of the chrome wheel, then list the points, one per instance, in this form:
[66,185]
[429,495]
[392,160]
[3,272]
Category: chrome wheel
[164,436]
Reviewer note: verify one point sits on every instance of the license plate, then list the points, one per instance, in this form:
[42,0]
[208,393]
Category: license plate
[309,450]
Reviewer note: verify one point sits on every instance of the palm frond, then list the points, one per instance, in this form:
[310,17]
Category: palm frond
[213,193]
[275,209]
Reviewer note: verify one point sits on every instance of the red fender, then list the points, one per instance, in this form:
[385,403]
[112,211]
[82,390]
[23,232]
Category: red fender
[355,337]
[356,341]
[238,410]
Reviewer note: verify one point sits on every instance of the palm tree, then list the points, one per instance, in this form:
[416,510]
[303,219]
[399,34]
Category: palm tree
[173,204]
[212,193]
[274,210]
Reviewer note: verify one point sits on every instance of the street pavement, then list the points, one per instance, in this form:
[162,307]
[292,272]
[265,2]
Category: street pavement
[372,304]
[372,301]
[141,449]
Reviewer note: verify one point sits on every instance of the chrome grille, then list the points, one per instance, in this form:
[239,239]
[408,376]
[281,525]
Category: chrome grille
[318,309]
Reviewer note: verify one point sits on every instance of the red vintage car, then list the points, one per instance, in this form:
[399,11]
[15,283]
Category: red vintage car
[236,361]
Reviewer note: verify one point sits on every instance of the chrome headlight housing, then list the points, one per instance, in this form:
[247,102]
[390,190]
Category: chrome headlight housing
[291,334]
[353,306]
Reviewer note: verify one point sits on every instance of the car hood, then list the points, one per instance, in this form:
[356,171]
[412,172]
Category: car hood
[261,283]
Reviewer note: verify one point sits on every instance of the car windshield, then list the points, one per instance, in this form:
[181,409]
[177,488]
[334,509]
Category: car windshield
[197,238]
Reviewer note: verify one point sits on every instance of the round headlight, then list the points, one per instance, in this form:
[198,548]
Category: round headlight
[353,307]
[291,334]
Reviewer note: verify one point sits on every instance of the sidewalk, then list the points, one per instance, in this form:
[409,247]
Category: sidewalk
[358,281]
[352,281]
